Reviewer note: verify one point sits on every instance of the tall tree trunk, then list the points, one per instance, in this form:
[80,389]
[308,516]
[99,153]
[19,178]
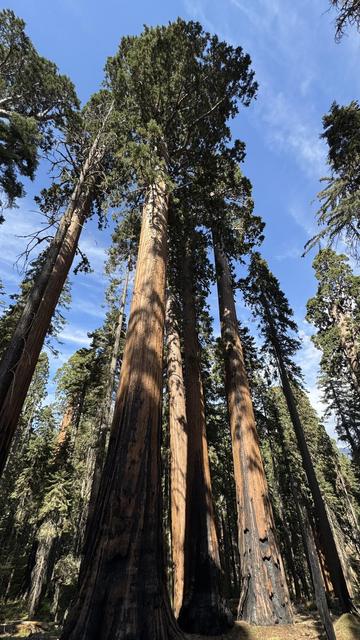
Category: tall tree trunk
[41,572]
[98,451]
[348,344]
[178,451]
[322,520]
[315,570]
[22,373]
[264,597]
[122,592]
[203,610]
[21,355]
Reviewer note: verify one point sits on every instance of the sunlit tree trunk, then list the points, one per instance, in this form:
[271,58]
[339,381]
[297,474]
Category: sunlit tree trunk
[21,355]
[178,451]
[97,453]
[122,592]
[264,598]
[203,610]
[22,373]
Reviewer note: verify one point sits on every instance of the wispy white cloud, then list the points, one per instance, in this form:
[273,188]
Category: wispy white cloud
[75,335]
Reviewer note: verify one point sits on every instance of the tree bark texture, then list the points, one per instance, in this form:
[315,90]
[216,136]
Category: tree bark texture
[98,451]
[264,597]
[203,610]
[22,373]
[178,451]
[327,539]
[122,593]
[20,358]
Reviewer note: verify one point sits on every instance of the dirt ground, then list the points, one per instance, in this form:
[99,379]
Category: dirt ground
[306,627]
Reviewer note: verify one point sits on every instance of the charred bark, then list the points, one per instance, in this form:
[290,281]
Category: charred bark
[264,598]
[178,452]
[122,591]
[203,610]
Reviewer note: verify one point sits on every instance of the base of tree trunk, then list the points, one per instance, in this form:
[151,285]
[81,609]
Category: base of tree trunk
[204,617]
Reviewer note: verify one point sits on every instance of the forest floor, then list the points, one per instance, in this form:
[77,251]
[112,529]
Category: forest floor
[307,627]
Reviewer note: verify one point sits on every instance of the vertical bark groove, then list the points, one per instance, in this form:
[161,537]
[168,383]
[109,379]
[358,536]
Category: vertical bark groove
[122,593]
[203,610]
[178,451]
[264,598]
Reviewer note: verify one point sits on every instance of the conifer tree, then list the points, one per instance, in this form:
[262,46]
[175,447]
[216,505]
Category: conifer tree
[181,86]
[34,99]
[81,192]
[348,15]
[334,311]
[262,291]
[338,213]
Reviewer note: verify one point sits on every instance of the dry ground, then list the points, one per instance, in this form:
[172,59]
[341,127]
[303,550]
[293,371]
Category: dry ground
[307,627]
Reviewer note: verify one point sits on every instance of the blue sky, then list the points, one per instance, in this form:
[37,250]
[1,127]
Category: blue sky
[300,71]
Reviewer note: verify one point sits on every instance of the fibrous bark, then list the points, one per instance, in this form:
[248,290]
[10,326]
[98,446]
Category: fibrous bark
[19,360]
[264,598]
[203,610]
[122,591]
[22,372]
[178,451]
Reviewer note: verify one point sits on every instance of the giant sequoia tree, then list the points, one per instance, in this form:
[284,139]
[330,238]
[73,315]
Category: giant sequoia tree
[262,291]
[181,86]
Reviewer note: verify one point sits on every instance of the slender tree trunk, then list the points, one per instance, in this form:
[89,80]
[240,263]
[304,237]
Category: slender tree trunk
[13,401]
[203,610]
[178,452]
[264,598]
[98,452]
[122,591]
[323,524]
[41,572]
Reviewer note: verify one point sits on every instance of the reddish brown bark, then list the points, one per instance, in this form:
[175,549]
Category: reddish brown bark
[178,452]
[264,598]
[203,610]
[97,453]
[19,360]
[122,591]
[13,401]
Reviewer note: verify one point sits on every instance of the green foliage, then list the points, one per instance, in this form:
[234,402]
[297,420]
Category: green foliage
[34,98]
[335,313]
[340,200]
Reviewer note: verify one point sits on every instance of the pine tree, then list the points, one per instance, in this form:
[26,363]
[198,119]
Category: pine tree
[20,357]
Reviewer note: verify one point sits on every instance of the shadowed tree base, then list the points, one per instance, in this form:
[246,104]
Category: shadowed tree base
[202,616]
